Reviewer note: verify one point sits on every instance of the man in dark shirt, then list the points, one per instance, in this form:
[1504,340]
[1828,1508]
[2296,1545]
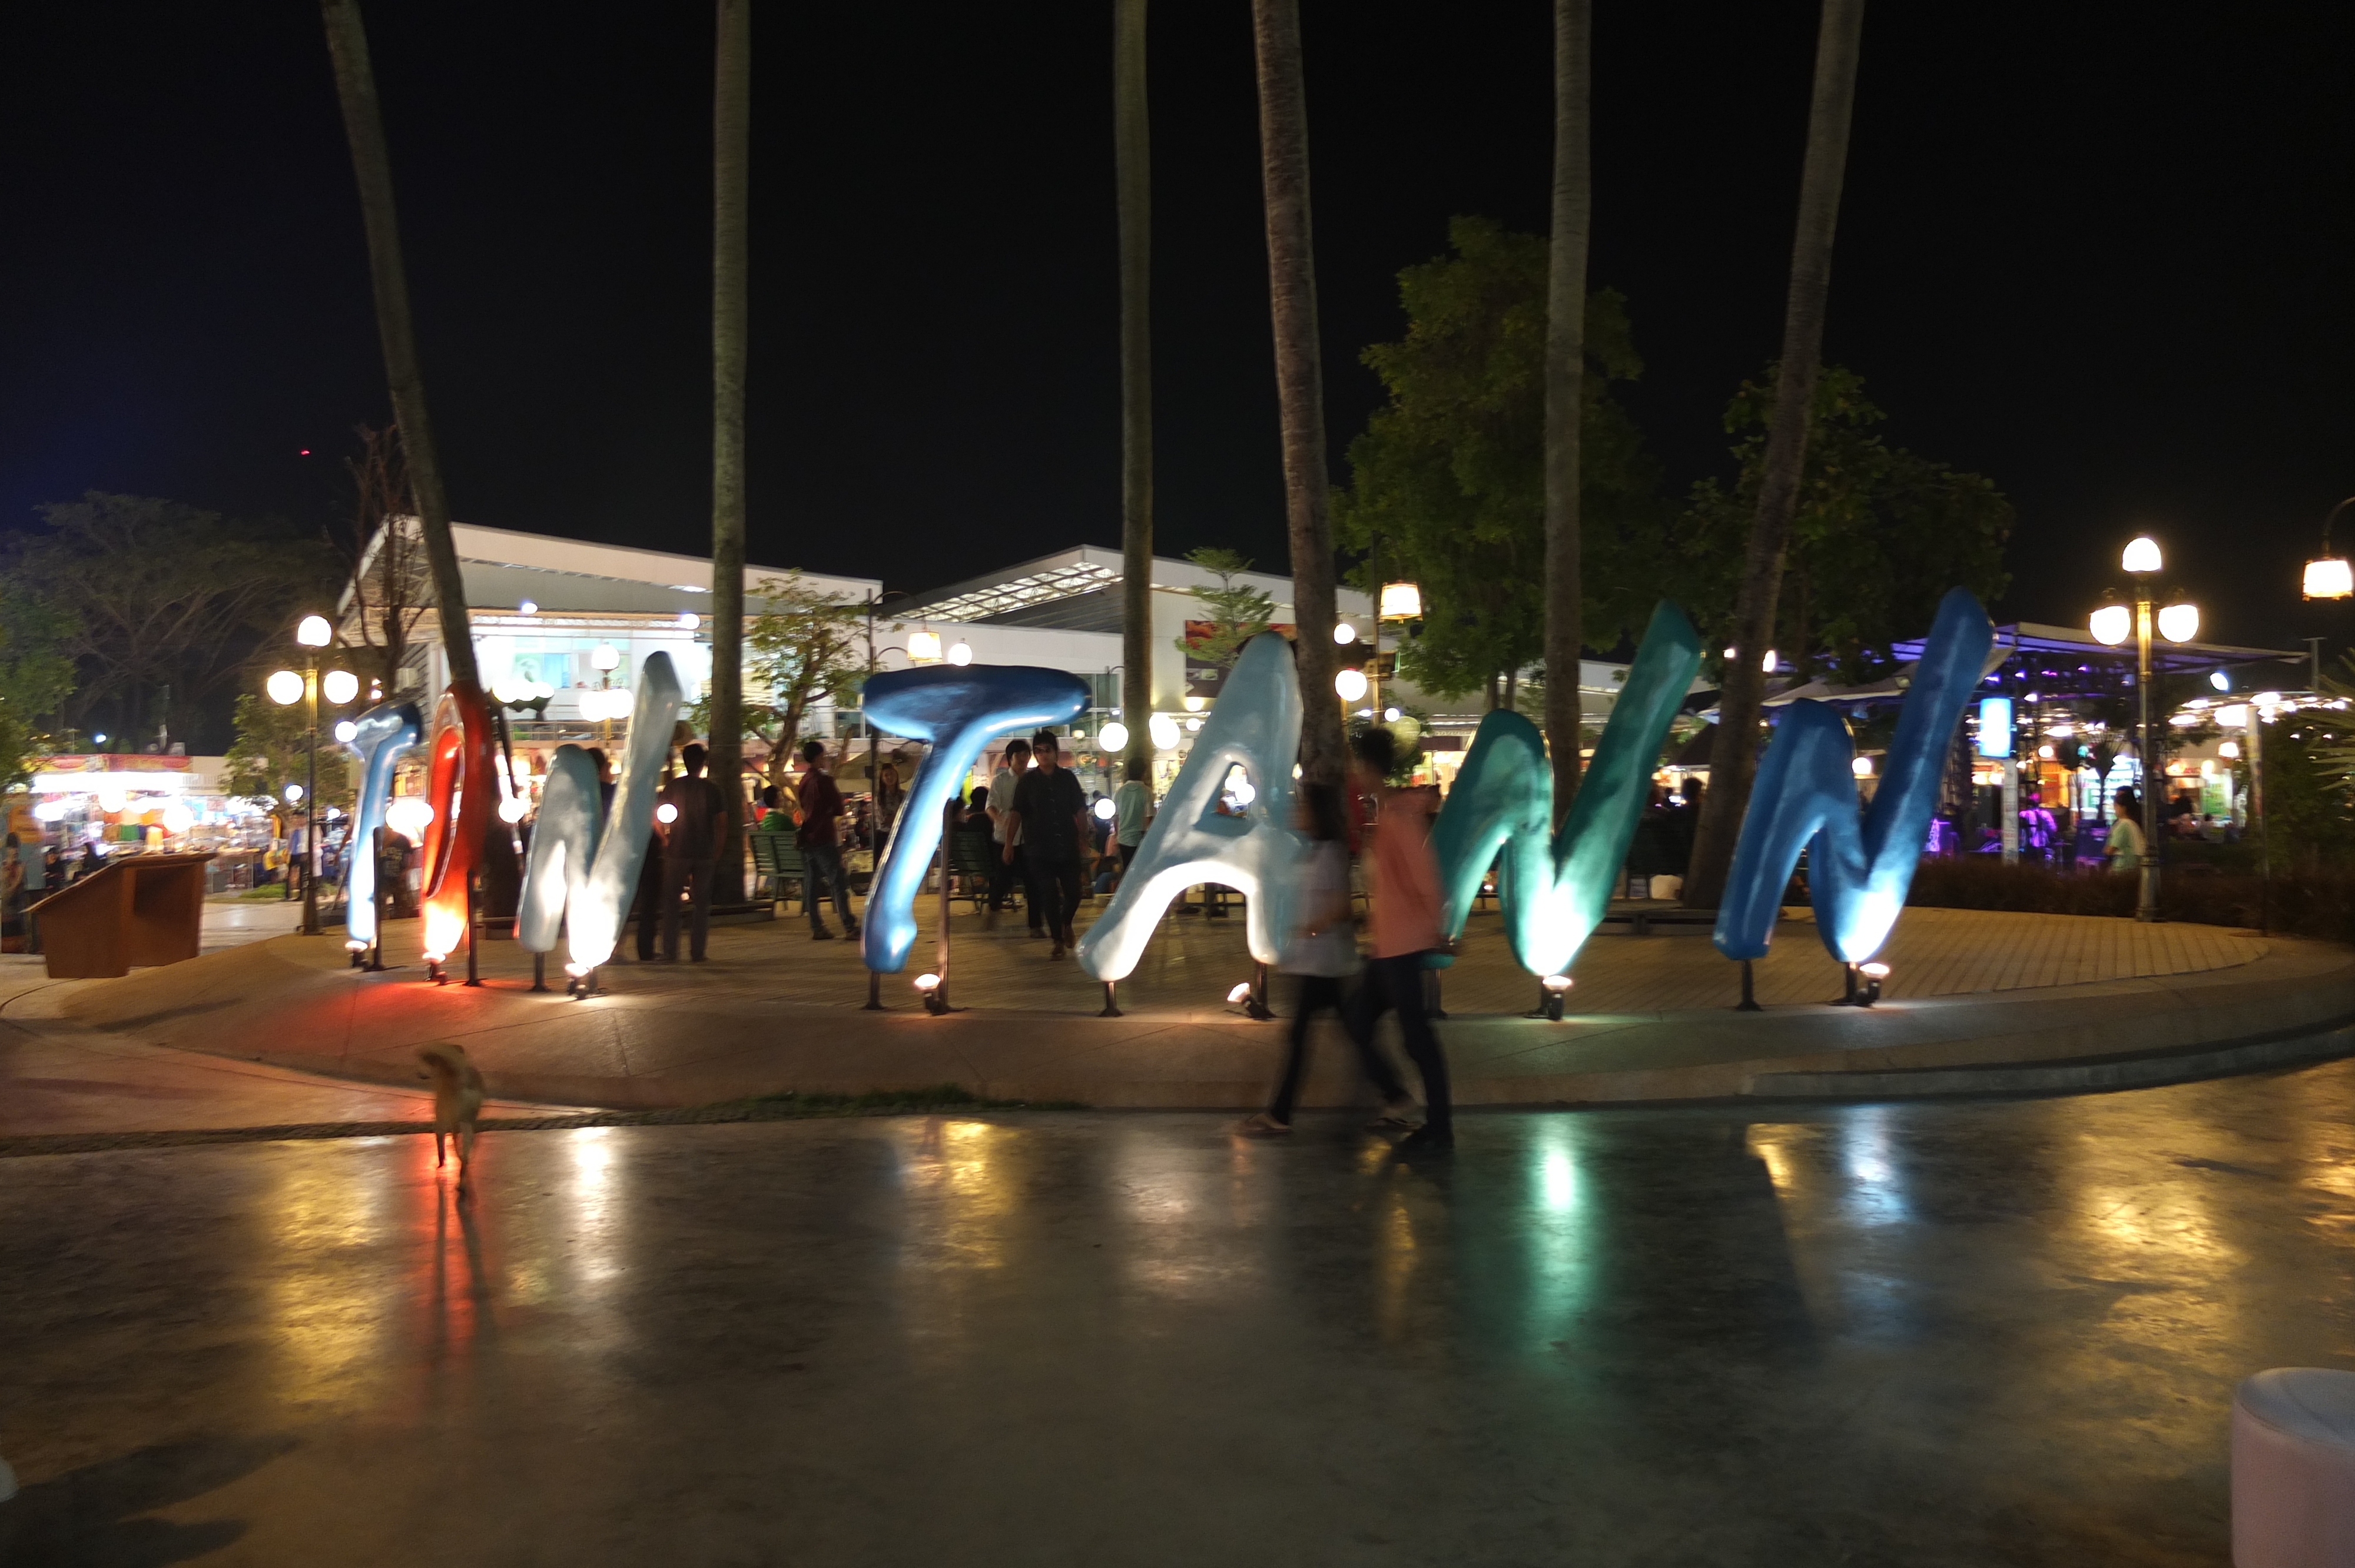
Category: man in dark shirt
[821,847]
[1049,820]
[693,814]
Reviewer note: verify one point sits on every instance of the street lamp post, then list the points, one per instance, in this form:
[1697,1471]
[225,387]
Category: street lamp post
[2177,622]
[285,687]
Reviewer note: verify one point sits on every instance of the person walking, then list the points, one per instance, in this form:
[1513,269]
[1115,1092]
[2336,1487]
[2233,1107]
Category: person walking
[1047,827]
[1003,867]
[889,796]
[1405,931]
[1320,953]
[698,816]
[1132,812]
[820,839]
[2125,848]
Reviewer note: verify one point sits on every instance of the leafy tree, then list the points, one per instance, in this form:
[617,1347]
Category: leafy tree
[35,677]
[1878,535]
[1449,479]
[269,752]
[805,644]
[1236,615]
[166,601]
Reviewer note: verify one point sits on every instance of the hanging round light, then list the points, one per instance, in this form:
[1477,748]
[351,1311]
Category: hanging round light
[284,686]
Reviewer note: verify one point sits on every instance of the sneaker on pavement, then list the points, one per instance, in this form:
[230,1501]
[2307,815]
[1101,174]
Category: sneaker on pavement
[1259,1124]
[1422,1140]
[820,934]
[1396,1114]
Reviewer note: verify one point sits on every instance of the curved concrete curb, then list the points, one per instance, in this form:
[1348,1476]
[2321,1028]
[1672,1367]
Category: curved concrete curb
[296,1007]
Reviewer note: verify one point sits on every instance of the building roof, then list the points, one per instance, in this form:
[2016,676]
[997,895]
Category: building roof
[1073,590]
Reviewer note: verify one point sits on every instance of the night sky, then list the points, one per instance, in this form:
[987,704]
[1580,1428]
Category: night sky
[2099,253]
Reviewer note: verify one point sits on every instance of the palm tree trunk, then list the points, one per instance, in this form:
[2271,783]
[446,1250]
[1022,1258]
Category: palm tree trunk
[1734,754]
[1133,148]
[364,125]
[1566,387]
[731,118]
[1299,376]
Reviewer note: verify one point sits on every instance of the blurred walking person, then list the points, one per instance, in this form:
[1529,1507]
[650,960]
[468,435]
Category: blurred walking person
[1048,826]
[1004,867]
[1405,931]
[1320,953]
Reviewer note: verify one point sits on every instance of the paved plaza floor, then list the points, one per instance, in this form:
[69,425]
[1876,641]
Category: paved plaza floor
[1960,1333]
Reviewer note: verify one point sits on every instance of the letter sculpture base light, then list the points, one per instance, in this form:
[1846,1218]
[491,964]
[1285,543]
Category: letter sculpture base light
[1857,875]
[379,737]
[957,708]
[1257,725]
[585,860]
[1555,888]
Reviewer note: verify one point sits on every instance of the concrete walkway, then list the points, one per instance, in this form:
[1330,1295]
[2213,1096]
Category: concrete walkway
[1978,1002]
[1931,1335]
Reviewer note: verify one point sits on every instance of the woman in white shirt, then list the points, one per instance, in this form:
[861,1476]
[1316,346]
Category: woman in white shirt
[1321,953]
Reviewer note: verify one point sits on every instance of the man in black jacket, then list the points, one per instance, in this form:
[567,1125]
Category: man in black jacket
[1049,823]
[692,816]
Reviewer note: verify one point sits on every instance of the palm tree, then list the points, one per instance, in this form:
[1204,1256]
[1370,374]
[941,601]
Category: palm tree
[1133,149]
[732,120]
[1733,755]
[1299,376]
[364,126]
[1574,34]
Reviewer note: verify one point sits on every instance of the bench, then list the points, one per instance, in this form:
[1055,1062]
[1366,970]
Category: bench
[970,857]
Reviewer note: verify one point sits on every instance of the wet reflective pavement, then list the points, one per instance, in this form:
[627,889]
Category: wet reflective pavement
[1924,1334]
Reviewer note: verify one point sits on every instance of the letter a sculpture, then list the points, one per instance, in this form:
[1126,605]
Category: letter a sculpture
[1256,725]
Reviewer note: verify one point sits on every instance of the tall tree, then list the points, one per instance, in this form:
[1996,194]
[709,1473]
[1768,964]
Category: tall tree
[372,167]
[1450,475]
[1133,152]
[1234,614]
[1573,200]
[1734,754]
[732,120]
[1299,376]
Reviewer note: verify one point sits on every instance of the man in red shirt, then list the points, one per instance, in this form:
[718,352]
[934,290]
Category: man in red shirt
[1405,887]
[821,806]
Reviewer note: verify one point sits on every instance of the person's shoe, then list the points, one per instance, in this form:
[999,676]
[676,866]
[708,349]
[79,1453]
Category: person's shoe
[1396,1114]
[699,958]
[1058,952]
[1423,1140]
[850,928]
[989,920]
[820,934]
[1259,1124]
[1038,930]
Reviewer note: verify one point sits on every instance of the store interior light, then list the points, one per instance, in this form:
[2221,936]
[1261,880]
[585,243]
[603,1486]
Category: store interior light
[1193,725]
[526,608]
[2229,750]
[314,632]
[1196,704]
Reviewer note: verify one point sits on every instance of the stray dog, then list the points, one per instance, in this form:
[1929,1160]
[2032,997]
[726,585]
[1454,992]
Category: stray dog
[457,1102]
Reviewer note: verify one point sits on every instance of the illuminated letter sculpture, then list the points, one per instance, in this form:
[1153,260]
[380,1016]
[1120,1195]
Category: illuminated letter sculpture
[585,860]
[957,708]
[462,787]
[379,737]
[1554,887]
[1257,725]
[1857,875]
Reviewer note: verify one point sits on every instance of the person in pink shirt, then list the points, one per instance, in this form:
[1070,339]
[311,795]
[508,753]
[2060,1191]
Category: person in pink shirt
[1405,929]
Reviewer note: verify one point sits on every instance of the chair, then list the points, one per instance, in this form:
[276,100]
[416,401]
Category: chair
[969,856]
